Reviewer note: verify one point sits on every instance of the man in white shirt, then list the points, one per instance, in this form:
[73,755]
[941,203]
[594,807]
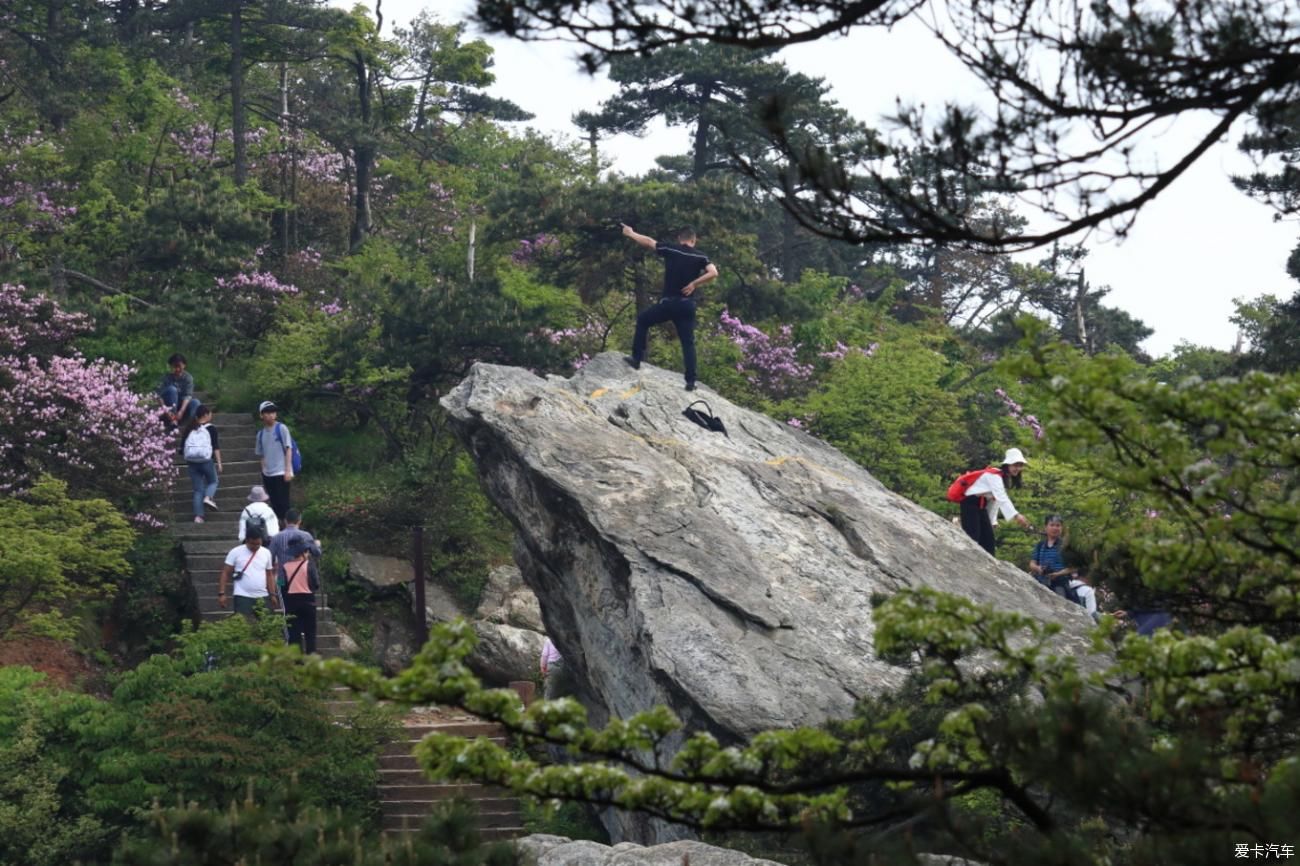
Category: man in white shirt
[248,567]
[987,496]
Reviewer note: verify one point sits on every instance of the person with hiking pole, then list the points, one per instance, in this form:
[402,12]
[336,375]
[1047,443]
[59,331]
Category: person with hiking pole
[685,270]
[983,493]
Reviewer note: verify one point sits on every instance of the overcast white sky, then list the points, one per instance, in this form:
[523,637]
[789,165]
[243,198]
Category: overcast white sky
[1200,244]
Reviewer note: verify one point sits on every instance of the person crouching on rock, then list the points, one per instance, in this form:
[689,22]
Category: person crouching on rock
[986,494]
[685,270]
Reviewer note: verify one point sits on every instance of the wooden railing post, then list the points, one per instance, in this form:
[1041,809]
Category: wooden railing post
[421,613]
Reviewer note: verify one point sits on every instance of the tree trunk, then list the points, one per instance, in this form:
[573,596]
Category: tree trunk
[237,93]
[1078,313]
[363,157]
[473,236]
[787,247]
[701,155]
[363,154]
[286,143]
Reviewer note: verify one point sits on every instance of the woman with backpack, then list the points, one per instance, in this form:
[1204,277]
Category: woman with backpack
[983,493]
[202,452]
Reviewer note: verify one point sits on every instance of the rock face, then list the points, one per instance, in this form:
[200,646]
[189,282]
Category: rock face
[508,600]
[728,577]
[505,653]
[540,850]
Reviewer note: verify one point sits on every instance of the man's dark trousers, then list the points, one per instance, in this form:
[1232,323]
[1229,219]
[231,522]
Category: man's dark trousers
[278,489]
[679,311]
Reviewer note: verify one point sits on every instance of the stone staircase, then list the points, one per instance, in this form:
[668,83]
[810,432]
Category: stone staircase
[407,795]
[206,544]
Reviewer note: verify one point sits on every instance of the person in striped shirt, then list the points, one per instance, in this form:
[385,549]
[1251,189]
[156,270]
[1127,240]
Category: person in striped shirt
[1047,562]
[685,270]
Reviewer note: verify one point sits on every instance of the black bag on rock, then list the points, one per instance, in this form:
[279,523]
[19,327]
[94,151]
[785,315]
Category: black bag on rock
[705,418]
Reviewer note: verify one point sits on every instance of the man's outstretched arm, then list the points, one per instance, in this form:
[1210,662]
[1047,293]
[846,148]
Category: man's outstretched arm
[645,241]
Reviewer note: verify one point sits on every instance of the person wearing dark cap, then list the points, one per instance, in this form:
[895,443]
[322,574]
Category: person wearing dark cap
[298,588]
[275,448]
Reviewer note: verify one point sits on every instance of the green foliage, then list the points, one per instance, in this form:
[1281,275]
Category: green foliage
[287,828]
[57,556]
[1213,467]
[893,413]
[43,821]
[206,725]
[375,511]
[155,602]
[570,820]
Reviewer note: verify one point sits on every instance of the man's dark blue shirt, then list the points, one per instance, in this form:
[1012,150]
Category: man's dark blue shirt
[682,264]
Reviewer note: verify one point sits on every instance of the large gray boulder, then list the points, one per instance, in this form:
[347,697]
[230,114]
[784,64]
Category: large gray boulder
[542,850]
[505,653]
[728,577]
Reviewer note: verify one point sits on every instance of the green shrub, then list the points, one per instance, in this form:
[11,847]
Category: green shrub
[57,555]
[206,724]
[154,603]
[286,828]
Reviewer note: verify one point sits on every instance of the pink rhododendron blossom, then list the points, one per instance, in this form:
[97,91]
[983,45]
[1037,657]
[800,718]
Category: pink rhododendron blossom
[771,363]
[530,249]
[64,415]
[1017,412]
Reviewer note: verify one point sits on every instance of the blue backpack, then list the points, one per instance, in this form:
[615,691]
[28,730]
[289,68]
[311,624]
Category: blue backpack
[296,462]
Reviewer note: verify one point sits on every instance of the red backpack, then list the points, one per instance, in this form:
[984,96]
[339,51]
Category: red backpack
[957,490]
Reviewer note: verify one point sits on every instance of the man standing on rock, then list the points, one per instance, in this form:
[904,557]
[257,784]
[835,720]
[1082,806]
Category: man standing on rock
[685,270]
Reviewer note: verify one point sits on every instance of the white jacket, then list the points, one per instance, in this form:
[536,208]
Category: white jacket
[259,509]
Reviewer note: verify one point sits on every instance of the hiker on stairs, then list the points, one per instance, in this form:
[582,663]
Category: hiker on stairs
[275,448]
[298,587]
[202,452]
[248,570]
[685,270]
[257,518]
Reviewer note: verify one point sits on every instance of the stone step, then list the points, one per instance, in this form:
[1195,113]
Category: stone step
[232,493]
[491,834]
[343,707]
[402,778]
[415,813]
[201,531]
[209,547]
[398,751]
[459,729]
[431,790]
[406,761]
[232,460]
[230,483]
